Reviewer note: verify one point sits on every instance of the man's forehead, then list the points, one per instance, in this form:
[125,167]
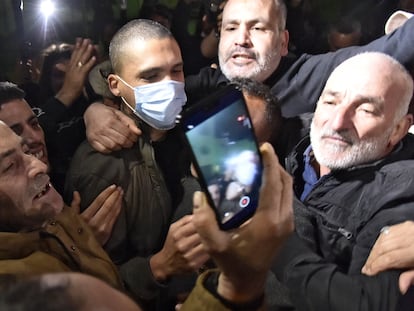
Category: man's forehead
[8,138]
[15,108]
[155,55]
[267,10]
[360,76]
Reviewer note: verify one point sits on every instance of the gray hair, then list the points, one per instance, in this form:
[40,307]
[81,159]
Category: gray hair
[282,13]
[398,71]
[138,29]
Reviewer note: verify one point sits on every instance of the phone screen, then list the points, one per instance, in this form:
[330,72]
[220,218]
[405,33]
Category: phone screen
[225,155]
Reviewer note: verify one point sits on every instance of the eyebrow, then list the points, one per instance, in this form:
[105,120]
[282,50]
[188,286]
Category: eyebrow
[248,22]
[330,93]
[6,154]
[28,120]
[153,70]
[361,98]
[379,101]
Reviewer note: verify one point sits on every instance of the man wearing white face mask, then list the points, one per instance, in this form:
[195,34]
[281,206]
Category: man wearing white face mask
[148,77]
[159,103]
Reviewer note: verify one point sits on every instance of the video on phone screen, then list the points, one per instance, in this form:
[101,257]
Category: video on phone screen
[227,155]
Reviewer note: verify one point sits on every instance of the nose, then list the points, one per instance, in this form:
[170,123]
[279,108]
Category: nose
[34,166]
[243,36]
[341,119]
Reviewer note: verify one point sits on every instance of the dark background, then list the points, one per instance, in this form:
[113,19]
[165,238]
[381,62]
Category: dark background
[24,32]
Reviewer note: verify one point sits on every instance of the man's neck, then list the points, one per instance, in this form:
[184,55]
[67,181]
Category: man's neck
[320,169]
[323,170]
[157,135]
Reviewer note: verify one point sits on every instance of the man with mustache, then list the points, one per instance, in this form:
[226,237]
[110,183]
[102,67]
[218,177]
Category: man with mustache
[38,234]
[19,116]
[354,176]
[253,44]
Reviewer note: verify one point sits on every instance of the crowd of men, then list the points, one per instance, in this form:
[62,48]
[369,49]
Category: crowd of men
[336,208]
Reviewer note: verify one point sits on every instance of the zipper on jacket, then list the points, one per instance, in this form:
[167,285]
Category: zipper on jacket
[347,234]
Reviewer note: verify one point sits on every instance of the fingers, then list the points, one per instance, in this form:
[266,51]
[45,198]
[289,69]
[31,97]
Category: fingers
[103,212]
[102,147]
[76,72]
[99,201]
[406,280]
[272,179]
[76,200]
[206,224]
[111,207]
[108,129]
[187,242]
[82,55]
[392,250]
[130,123]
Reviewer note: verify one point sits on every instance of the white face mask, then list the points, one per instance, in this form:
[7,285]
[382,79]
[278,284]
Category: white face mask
[159,103]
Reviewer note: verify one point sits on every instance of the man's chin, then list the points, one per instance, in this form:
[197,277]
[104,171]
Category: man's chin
[55,201]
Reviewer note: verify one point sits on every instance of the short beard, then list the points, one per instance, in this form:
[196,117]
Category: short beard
[262,66]
[336,157]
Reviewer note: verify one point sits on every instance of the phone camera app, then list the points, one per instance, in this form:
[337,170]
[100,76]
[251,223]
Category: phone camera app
[244,201]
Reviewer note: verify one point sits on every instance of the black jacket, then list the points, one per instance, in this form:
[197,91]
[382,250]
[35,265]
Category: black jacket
[336,228]
[298,83]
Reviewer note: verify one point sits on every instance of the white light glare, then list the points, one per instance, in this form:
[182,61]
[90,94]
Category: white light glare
[47,8]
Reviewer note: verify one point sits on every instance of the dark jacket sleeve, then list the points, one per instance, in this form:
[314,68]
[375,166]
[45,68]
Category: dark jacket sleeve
[300,87]
[316,284]
[53,112]
[203,84]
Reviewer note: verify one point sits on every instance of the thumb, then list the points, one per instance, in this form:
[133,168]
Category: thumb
[406,280]
[76,200]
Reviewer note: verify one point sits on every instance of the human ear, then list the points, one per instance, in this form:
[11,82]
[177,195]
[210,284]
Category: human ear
[401,129]
[113,84]
[284,38]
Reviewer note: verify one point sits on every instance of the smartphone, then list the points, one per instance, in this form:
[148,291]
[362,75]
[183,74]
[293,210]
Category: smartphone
[225,154]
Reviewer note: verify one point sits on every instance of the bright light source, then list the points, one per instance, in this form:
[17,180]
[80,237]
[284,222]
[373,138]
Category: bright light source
[21,5]
[47,8]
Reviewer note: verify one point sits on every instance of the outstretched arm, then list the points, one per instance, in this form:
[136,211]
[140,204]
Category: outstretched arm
[244,255]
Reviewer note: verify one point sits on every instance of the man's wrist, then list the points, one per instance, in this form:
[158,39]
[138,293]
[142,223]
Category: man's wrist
[229,296]
[157,268]
[65,98]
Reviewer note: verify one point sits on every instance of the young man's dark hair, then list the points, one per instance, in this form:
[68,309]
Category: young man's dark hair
[10,91]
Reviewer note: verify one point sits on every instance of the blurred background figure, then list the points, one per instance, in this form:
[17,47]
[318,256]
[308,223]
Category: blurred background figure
[63,96]
[157,12]
[343,34]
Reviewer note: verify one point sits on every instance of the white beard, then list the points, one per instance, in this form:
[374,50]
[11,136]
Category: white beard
[339,156]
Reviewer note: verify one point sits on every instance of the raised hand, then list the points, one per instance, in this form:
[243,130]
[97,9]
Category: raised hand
[76,71]
[182,251]
[102,213]
[244,255]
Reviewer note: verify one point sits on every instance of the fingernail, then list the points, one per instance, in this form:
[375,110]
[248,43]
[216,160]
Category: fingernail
[197,199]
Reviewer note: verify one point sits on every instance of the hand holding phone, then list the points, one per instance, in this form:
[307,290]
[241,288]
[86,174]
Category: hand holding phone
[225,153]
